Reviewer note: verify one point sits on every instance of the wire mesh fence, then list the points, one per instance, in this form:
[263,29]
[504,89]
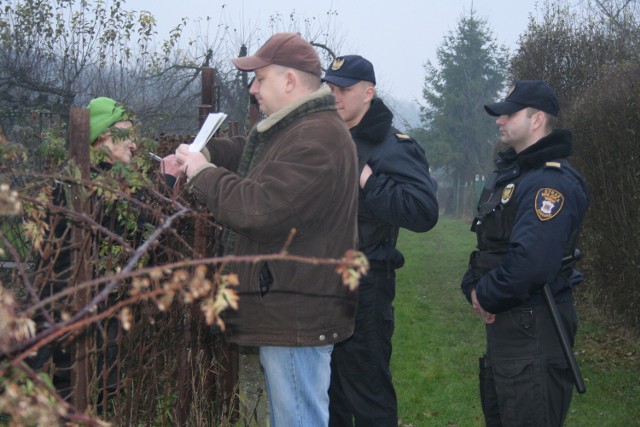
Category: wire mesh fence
[100,265]
[61,261]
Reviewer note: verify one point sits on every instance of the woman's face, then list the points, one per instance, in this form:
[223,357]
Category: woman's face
[119,144]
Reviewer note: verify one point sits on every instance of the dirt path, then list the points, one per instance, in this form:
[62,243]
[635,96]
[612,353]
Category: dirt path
[254,407]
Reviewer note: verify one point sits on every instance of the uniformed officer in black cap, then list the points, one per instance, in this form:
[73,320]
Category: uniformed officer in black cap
[528,220]
[396,191]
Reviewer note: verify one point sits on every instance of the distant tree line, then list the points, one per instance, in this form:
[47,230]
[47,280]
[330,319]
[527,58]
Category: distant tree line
[55,54]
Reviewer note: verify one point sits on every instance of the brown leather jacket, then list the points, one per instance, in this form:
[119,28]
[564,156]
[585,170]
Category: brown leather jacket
[303,176]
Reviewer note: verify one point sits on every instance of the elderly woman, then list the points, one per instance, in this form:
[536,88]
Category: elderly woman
[111,127]
[112,135]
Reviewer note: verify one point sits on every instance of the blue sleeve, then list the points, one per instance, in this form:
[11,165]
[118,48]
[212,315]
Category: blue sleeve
[538,240]
[400,191]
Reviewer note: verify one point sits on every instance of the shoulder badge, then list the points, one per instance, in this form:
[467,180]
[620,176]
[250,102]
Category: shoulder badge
[507,193]
[337,64]
[548,203]
[553,165]
[402,136]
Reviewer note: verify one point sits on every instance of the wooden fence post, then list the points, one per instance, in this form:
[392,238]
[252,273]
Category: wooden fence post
[79,151]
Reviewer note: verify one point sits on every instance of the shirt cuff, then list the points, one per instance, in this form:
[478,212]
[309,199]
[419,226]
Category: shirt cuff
[206,154]
[200,169]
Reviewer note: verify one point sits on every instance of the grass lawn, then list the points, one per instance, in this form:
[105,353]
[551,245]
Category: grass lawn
[438,341]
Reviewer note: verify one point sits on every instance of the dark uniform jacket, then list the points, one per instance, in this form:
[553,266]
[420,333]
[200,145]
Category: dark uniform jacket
[529,216]
[400,193]
[299,173]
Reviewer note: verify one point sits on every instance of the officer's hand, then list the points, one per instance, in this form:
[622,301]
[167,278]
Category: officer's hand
[477,308]
[189,162]
[364,176]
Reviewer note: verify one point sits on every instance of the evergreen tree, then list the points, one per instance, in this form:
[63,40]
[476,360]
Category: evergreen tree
[472,71]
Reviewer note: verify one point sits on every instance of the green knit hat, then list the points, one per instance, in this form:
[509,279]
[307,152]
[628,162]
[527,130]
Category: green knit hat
[104,112]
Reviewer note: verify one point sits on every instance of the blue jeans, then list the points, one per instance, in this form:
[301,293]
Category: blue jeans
[297,380]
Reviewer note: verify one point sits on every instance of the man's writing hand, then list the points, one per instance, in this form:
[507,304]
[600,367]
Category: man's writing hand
[170,165]
[189,162]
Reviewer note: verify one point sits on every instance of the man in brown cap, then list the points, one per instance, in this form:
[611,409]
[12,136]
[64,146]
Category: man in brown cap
[296,175]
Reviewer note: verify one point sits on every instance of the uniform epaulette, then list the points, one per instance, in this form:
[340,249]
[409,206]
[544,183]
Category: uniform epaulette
[402,136]
[553,165]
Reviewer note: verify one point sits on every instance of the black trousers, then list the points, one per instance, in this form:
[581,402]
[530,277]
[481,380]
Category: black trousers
[361,391]
[59,355]
[525,379]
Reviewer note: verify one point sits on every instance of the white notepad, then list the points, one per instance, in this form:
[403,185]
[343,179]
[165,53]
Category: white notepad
[208,129]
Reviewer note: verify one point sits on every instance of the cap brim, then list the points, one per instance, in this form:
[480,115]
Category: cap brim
[503,108]
[340,81]
[249,63]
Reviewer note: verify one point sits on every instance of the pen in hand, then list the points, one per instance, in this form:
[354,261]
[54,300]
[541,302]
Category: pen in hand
[155,156]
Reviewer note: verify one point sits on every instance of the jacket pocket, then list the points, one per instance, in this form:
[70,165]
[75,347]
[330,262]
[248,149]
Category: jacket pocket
[265,279]
[519,389]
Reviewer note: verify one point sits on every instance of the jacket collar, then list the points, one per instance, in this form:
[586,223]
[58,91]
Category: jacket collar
[375,123]
[556,145]
[321,97]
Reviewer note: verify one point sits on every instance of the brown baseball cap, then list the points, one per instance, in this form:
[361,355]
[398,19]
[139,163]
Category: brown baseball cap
[285,49]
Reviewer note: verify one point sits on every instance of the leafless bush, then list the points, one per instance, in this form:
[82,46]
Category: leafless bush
[606,123]
[590,57]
